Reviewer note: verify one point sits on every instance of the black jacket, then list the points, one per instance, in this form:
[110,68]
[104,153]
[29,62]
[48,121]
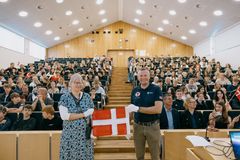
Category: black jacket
[164,120]
[186,120]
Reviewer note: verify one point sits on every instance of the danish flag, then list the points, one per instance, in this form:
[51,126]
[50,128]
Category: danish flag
[111,122]
[237,93]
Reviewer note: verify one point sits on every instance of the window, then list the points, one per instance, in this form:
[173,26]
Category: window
[36,50]
[11,40]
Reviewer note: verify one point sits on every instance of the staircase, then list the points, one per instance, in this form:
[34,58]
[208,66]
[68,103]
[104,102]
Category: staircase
[119,91]
[117,147]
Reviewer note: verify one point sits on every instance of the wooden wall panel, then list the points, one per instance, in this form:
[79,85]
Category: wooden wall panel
[90,45]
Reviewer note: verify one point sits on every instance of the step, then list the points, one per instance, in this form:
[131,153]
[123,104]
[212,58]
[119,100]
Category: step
[118,156]
[114,146]
[118,98]
[119,102]
[114,95]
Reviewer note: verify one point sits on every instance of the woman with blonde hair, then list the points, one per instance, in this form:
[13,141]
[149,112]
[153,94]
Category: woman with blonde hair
[190,118]
[76,108]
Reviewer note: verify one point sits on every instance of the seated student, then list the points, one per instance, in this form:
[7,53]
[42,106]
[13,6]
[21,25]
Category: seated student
[235,123]
[220,96]
[219,118]
[42,100]
[169,117]
[27,122]
[5,122]
[50,121]
[178,103]
[15,105]
[5,97]
[201,102]
[235,103]
[190,118]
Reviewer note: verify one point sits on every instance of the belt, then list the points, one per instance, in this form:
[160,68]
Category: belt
[148,123]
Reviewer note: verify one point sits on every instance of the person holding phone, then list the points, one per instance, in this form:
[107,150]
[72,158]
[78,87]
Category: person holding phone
[219,118]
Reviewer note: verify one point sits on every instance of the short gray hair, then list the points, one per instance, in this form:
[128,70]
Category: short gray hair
[74,78]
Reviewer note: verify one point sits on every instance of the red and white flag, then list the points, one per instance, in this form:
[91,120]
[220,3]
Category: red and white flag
[237,93]
[111,122]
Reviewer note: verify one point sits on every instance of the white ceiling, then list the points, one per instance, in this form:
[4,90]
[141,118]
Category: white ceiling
[188,16]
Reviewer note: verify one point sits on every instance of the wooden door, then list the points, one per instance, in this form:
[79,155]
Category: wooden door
[120,57]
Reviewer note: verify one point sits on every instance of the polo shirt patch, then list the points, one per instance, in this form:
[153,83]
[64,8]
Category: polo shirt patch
[149,92]
[137,94]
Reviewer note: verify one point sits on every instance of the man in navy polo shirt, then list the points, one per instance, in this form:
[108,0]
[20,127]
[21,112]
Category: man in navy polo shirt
[146,103]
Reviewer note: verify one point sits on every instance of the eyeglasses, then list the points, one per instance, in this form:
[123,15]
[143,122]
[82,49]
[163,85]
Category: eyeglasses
[78,83]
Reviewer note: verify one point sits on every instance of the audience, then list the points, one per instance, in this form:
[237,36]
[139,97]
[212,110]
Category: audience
[26,122]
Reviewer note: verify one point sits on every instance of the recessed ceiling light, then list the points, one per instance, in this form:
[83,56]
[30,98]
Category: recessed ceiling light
[57,38]
[3,1]
[102,12]
[172,12]
[183,37]
[37,24]
[80,29]
[218,13]
[203,23]
[237,0]
[165,21]
[68,13]
[75,22]
[136,20]
[59,1]
[134,30]
[142,1]
[160,29]
[48,32]
[182,1]
[23,14]
[192,31]
[139,11]
[154,38]
[104,20]
[98,2]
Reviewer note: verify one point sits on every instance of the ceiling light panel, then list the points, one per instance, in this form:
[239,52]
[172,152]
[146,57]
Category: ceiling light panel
[183,37]
[75,22]
[48,32]
[136,20]
[165,21]
[139,11]
[37,24]
[142,1]
[3,1]
[172,12]
[182,1]
[104,20]
[160,29]
[218,13]
[57,38]
[192,31]
[99,2]
[102,12]
[203,23]
[80,29]
[23,14]
[59,1]
[68,13]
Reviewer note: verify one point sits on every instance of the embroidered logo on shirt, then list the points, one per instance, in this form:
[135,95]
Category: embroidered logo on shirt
[137,94]
[149,92]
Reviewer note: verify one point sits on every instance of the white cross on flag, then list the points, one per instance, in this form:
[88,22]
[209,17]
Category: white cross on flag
[111,122]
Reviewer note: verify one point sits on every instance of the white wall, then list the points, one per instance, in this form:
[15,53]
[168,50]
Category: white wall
[7,56]
[224,46]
